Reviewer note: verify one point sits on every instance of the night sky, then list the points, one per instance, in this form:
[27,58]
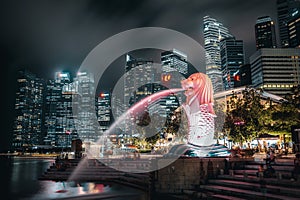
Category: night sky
[46,36]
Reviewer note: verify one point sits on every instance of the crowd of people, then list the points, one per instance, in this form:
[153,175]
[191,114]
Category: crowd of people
[267,170]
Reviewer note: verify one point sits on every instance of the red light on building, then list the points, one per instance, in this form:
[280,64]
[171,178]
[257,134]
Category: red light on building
[237,78]
[102,95]
[166,77]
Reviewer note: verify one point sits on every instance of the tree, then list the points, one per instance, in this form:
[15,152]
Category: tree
[287,113]
[220,109]
[243,115]
[295,97]
[248,115]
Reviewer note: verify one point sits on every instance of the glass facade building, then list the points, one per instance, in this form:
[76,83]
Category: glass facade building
[174,61]
[214,32]
[59,119]
[265,33]
[87,125]
[103,109]
[294,30]
[286,11]
[138,73]
[232,57]
[28,123]
[174,69]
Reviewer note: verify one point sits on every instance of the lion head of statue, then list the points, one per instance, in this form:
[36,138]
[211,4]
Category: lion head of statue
[198,89]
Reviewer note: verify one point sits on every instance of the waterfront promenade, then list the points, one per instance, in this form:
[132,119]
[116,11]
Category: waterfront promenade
[189,178]
[32,155]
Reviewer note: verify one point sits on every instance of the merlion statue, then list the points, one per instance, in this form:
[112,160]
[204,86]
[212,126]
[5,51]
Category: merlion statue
[199,109]
[200,116]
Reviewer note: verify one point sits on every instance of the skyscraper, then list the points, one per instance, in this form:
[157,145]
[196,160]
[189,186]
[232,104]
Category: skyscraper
[276,70]
[27,131]
[87,126]
[117,106]
[214,32]
[174,60]
[174,69]
[59,119]
[232,57]
[285,11]
[103,109]
[265,33]
[294,30]
[138,72]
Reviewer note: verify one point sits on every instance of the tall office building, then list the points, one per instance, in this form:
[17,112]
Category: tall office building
[139,72]
[276,70]
[174,60]
[27,131]
[232,57]
[87,125]
[294,30]
[174,69]
[103,110]
[286,10]
[59,120]
[214,32]
[117,107]
[265,33]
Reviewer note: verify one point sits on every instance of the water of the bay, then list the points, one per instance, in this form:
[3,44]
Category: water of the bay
[19,179]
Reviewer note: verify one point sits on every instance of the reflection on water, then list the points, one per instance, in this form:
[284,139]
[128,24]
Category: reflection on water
[19,176]
[56,190]
[19,180]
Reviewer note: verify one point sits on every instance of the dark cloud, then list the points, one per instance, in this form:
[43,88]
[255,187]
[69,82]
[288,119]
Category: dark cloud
[58,34]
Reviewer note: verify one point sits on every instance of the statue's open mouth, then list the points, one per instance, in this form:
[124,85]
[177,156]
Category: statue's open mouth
[187,88]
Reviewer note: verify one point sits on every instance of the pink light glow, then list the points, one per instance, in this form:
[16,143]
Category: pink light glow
[145,102]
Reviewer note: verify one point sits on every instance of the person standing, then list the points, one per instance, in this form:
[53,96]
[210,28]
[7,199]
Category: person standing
[260,172]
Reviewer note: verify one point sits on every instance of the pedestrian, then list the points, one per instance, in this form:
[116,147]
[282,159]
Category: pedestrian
[271,157]
[260,172]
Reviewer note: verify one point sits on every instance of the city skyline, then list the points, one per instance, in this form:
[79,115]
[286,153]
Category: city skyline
[51,36]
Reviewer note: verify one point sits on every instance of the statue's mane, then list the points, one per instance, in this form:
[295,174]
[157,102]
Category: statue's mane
[204,93]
